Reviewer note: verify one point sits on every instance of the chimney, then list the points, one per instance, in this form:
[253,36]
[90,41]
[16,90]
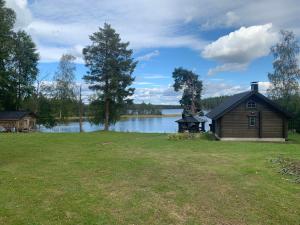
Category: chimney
[254,86]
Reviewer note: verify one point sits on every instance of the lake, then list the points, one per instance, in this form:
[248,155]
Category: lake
[143,125]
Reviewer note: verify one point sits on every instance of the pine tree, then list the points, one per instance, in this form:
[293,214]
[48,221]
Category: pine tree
[187,82]
[110,66]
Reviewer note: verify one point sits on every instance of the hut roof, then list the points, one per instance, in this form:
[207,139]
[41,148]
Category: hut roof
[14,115]
[191,119]
[236,99]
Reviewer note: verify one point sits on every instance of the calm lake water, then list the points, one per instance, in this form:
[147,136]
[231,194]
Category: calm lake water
[143,125]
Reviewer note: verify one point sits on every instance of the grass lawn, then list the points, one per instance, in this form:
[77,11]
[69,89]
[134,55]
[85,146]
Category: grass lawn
[126,178]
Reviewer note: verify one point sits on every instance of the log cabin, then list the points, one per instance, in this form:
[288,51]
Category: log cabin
[18,121]
[249,116]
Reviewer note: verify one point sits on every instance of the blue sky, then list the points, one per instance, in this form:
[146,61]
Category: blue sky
[225,42]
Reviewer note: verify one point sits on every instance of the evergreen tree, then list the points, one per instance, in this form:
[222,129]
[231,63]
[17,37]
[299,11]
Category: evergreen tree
[187,82]
[110,66]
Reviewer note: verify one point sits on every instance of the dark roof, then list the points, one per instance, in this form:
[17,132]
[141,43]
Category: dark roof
[191,119]
[235,100]
[14,115]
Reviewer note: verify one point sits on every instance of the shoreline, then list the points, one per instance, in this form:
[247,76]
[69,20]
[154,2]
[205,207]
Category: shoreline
[76,118]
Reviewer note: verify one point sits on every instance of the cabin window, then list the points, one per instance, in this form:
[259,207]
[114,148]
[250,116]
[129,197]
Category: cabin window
[252,121]
[251,104]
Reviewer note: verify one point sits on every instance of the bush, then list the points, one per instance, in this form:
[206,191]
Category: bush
[182,136]
[191,136]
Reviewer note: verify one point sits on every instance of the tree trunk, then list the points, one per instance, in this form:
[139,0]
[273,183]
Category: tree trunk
[106,123]
[80,111]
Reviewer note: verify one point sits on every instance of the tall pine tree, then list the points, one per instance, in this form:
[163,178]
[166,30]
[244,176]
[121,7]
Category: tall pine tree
[187,82]
[110,66]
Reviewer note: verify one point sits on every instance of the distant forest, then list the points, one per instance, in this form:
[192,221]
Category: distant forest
[207,104]
[145,109]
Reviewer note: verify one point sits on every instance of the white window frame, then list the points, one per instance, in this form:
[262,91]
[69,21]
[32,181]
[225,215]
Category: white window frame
[251,104]
[252,121]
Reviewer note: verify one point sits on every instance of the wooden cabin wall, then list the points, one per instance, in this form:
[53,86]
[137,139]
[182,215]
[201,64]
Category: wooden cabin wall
[26,123]
[8,124]
[269,123]
[272,124]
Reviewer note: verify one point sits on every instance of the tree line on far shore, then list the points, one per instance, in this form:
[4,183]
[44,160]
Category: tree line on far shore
[110,66]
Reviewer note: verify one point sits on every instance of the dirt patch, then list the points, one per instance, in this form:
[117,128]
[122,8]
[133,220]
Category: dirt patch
[290,167]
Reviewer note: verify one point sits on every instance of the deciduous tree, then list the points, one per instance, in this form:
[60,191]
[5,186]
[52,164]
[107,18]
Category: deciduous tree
[286,75]
[64,85]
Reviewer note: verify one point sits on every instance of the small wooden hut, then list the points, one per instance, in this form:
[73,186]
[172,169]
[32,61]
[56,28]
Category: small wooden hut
[18,121]
[190,123]
[249,116]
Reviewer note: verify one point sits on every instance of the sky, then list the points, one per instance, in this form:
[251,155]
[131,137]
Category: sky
[227,43]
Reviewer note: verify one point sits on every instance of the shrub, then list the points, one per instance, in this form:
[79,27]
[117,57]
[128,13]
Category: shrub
[190,136]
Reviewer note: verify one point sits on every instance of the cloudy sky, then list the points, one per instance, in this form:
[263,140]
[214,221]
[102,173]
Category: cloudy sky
[225,42]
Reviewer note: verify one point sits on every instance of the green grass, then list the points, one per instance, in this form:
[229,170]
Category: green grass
[126,178]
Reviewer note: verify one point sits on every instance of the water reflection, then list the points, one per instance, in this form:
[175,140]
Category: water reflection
[143,125]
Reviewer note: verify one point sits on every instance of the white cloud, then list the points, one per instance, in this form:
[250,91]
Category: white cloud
[263,86]
[213,88]
[237,49]
[230,19]
[142,83]
[228,67]
[217,88]
[157,95]
[154,76]
[148,56]
[146,24]
[24,16]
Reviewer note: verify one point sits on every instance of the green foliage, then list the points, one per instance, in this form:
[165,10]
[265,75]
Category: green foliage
[182,136]
[286,76]
[293,106]
[142,109]
[18,62]
[212,102]
[64,86]
[7,20]
[191,136]
[187,82]
[96,112]
[110,66]
[45,115]
[23,68]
